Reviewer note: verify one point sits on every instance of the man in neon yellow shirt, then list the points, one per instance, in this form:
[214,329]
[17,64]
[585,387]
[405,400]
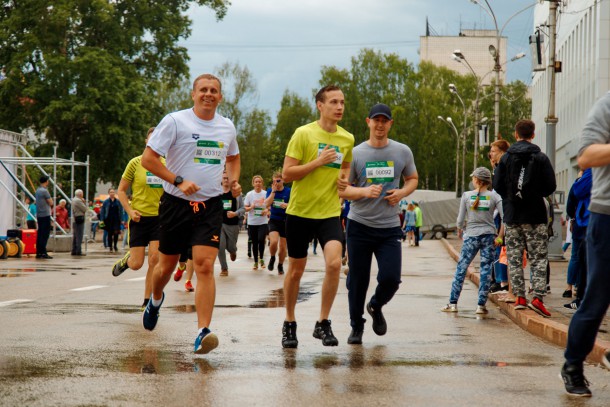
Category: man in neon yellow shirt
[318,154]
[419,221]
[143,214]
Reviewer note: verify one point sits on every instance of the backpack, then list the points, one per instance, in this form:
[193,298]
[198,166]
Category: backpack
[520,171]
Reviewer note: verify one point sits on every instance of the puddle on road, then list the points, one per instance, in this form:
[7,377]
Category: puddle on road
[18,368]
[275,299]
[73,308]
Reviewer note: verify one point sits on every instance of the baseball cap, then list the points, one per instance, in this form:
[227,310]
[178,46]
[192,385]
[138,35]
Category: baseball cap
[482,173]
[380,110]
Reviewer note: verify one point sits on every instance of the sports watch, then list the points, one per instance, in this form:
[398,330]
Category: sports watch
[178,180]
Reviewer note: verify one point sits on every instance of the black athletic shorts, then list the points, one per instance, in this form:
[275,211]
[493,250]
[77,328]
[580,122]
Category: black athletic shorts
[143,232]
[188,223]
[276,225]
[300,231]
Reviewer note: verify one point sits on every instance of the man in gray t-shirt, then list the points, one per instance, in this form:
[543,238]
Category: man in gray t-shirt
[44,203]
[594,153]
[373,225]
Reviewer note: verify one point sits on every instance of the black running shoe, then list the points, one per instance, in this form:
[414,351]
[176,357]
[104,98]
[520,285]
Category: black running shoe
[289,334]
[494,287]
[271,263]
[324,332]
[120,266]
[380,327]
[574,380]
[355,337]
[280,268]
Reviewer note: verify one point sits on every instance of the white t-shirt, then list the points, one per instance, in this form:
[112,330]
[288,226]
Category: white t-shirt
[196,150]
[255,215]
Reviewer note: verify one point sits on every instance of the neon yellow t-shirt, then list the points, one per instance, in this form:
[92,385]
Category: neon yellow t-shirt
[315,196]
[146,188]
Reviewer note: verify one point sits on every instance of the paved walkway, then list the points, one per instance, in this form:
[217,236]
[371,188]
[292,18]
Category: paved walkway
[553,329]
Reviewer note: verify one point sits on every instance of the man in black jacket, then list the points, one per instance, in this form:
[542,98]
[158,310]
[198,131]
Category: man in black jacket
[524,177]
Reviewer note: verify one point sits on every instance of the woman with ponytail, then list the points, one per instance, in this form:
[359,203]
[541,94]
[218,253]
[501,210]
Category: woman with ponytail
[476,226]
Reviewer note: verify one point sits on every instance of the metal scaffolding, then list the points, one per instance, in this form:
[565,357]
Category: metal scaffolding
[21,160]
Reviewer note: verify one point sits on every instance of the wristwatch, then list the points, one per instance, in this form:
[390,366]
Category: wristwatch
[178,180]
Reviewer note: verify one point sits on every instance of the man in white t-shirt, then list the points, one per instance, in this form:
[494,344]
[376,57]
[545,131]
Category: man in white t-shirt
[197,143]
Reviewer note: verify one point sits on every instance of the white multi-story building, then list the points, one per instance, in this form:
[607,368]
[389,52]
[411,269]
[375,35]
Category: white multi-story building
[583,47]
[473,44]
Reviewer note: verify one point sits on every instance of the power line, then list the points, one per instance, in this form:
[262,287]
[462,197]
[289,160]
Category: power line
[296,47]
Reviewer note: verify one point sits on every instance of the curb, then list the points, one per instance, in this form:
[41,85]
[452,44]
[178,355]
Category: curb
[530,321]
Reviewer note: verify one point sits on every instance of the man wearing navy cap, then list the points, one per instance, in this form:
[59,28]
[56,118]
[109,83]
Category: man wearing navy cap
[373,225]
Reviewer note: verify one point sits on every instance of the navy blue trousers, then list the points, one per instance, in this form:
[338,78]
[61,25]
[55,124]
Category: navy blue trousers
[362,242]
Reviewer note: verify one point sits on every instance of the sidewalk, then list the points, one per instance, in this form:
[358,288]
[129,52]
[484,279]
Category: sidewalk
[553,329]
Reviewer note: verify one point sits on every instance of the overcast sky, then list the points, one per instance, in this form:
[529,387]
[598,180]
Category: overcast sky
[284,43]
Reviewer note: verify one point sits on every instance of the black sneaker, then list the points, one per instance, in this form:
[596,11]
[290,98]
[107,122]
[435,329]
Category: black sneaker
[280,268]
[289,335]
[495,287]
[606,359]
[355,337]
[572,305]
[574,380]
[271,263]
[120,266]
[151,314]
[380,327]
[324,332]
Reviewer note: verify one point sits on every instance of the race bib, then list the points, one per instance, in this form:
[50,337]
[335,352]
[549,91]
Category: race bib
[338,161]
[153,181]
[379,172]
[258,211]
[484,202]
[209,152]
[226,204]
[277,203]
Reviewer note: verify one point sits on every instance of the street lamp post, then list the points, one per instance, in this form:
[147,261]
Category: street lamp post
[453,90]
[495,53]
[457,149]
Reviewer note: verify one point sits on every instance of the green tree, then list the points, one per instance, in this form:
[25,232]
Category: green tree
[254,145]
[86,74]
[238,91]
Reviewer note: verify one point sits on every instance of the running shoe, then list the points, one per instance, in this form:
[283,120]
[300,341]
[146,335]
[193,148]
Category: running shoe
[450,308]
[520,303]
[120,266]
[271,263]
[224,273]
[205,342]
[572,305]
[188,286]
[567,293]
[280,268]
[289,334]
[481,309]
[262,263]
[151,314]
[255,266]
[233,256]
[606,359]
[324,332]
[179,272]
[574,380]
[538,306]
[355,337]
[380,327]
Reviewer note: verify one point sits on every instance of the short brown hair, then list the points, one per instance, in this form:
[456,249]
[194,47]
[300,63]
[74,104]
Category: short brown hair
[501,145]
[525,129]
[321,95]
[207,76]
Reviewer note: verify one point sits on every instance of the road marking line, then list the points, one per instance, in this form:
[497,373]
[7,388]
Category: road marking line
[137,279]
[7,303]
[89,288]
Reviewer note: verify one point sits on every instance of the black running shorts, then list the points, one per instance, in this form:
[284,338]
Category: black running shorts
[185,223]
[300,231]
[143,232]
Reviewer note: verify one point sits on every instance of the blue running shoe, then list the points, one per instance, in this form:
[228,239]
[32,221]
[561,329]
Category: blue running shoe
[151,314]
[205,342]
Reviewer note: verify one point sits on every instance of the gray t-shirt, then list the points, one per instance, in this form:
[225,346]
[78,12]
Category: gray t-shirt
[385,166]
[479,221]
[42,206]
[597,131]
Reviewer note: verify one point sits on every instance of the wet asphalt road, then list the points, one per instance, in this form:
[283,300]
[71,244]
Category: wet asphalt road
[71,335]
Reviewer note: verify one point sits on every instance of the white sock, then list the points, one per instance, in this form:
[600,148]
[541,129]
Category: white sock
[156,303]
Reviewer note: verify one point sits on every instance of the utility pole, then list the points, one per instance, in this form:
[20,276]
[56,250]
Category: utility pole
[551,120]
